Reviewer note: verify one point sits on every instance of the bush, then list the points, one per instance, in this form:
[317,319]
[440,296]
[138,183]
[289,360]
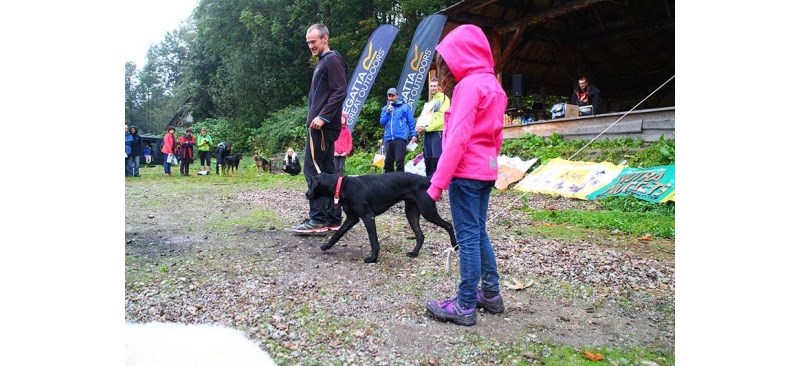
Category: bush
[281,130]
[234,131]
[637,153]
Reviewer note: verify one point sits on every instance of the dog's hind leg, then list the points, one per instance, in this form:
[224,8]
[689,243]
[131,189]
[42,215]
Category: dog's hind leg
[412,214]
[346,226]
[429,212]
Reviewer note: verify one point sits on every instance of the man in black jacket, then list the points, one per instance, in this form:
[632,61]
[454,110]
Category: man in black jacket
[586,94]
[324,122]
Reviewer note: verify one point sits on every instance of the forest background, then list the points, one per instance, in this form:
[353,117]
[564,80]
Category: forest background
[243,69]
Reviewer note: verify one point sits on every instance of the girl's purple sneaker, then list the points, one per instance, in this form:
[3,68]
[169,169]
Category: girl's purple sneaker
[493,305]
[451,310]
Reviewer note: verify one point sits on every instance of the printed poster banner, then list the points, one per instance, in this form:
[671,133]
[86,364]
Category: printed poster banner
[573,179]
[420,57]
[366,71]
[510,170]
[655,184]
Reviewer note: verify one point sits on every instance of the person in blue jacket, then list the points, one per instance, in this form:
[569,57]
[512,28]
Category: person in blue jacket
[399,126]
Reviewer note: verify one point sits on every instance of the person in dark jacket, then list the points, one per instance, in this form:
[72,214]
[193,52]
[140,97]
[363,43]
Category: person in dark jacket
[223,150]
[186,153]
[324,123]
[291,163]
[586,94]
[137,150]
[399,126]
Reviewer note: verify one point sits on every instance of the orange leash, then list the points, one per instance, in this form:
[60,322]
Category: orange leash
[311,145]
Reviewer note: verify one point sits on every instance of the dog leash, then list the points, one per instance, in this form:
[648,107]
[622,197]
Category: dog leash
[336,193]
[321,147]
[448,264]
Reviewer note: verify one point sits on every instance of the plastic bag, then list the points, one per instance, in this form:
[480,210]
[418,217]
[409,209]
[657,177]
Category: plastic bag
[379,158]
[426,117]
[416,165]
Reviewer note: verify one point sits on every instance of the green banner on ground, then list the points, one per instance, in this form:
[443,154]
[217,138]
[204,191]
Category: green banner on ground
[654,184]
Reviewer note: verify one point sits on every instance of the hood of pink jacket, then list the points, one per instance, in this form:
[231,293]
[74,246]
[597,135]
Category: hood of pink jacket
[466,50]
[473,125]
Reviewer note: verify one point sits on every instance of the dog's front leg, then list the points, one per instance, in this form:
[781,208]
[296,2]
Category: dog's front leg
[369,223]
[346,226]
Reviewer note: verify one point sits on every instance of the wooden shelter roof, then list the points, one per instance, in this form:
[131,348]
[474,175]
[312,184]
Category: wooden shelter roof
[625,47]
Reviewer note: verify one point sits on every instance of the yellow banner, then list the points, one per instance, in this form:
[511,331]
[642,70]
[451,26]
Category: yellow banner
[573,179]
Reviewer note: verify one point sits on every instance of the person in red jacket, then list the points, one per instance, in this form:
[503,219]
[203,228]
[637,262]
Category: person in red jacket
[168,149]
[342,148]
[473,136]
[186,152]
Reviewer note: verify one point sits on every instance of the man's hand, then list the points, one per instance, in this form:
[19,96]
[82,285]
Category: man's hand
[414,139]
[317,123]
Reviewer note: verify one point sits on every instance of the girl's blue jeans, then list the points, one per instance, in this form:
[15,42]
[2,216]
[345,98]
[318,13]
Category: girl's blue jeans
[469,203]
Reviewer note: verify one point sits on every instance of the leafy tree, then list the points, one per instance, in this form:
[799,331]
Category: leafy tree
[245,62]
[153,94]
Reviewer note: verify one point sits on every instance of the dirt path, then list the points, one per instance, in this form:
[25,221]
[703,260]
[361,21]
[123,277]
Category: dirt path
[228,260]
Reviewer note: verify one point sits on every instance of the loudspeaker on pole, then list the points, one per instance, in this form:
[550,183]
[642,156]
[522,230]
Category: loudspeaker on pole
[517,85]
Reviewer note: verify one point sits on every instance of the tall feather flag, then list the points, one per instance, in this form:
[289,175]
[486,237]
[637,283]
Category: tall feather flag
[420,57]
[366,71]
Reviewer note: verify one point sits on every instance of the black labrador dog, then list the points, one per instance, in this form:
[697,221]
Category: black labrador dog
[367,196]
[230,165]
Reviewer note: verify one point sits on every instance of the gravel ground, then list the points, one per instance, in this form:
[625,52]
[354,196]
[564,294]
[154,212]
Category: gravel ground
[230,261]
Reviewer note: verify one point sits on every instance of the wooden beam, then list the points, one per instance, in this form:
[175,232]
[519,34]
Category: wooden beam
[496,43]
[461,6]
[481,21]
[478,6]
[549,14]
[510,49]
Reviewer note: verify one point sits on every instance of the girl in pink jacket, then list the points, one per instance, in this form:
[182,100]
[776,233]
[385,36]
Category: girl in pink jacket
[467,168]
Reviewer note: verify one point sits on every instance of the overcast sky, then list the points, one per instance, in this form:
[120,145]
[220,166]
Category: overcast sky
[146,22]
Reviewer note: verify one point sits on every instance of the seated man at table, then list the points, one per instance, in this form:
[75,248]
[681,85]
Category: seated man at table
[585,95]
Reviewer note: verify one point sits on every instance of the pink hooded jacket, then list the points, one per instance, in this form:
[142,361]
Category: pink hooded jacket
[473,131]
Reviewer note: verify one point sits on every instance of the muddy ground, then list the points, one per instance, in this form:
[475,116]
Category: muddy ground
[214,250]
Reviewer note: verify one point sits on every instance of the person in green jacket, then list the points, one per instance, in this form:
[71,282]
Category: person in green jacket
[432,146]
[204,151]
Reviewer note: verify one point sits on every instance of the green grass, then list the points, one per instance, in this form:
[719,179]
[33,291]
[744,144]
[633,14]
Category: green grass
[625,214]
[257,219]
[564,232]
[247,174]
[636,223]
[531,351]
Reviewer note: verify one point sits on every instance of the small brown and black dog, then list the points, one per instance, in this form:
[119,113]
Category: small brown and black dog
[262,164]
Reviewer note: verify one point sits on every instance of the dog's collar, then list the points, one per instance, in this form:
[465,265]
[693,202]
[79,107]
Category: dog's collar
[336,193]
